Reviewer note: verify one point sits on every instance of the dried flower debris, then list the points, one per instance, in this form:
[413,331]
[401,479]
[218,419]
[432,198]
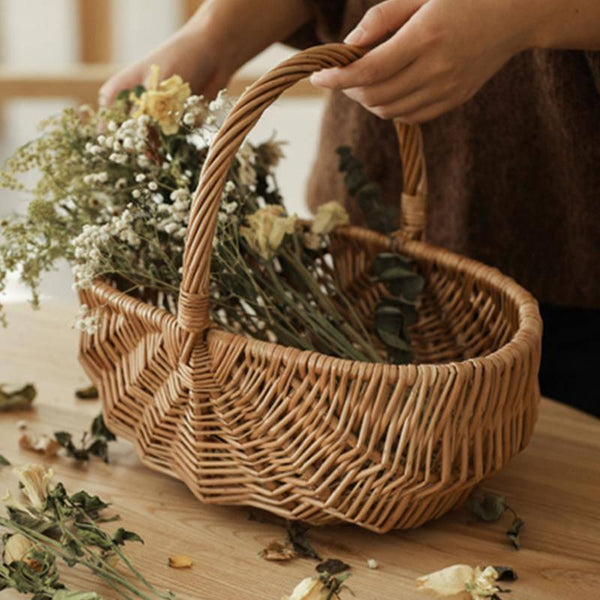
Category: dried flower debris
[16,397]
[464,581]
[87,393]
[325,586]
[40,443]
[92,443]
[180,561]
[278,552]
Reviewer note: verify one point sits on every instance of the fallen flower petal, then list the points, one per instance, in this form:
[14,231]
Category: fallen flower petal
[42,444]
[16,548]
[278,552]
[460,582]
[35,480]
[311,588]
[180,561]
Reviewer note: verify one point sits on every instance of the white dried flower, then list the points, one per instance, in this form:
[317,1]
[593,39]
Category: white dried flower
[460,581]
[35,482]
[329,216]
[311,588]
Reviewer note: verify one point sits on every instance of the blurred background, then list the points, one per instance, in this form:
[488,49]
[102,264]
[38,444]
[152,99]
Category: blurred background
[55,53]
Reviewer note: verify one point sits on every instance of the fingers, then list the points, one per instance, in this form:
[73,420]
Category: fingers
[125,79]
[379,64]
[382,19]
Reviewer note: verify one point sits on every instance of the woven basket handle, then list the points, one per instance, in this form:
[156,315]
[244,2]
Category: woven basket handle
[193,309]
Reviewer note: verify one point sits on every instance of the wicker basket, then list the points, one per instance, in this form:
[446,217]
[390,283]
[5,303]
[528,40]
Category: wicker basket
[309,436]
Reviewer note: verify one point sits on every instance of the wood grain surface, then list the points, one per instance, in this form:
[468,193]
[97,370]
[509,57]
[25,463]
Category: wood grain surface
[554,485]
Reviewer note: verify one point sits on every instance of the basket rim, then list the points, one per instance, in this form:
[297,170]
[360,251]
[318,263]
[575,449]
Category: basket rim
[525,338]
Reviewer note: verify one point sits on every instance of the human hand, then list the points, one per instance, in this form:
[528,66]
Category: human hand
[439,55]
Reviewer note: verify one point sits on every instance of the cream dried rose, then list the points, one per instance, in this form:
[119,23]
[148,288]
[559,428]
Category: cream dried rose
[35,481]
[164,101]
[329,216]
[311,588]
[16,548]
[266,229]
[461,582]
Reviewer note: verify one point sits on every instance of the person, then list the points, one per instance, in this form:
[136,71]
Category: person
[508,95]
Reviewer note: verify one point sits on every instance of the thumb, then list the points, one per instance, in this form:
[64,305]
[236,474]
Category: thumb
[381,20]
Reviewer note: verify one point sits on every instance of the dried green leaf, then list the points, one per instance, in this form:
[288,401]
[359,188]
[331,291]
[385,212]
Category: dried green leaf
[4,462]
[333,566]
[488,508]
[89,503]
[506,574]
[87,393]
[296,532]
[19,398]
[122,535]
[100,430]
[514,532]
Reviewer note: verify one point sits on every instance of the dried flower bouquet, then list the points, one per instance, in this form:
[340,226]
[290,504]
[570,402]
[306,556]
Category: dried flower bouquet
[113,199]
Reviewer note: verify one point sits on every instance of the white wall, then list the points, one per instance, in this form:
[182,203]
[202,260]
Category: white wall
[41,34]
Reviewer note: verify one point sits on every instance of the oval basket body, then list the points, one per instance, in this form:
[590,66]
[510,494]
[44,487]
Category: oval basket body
[309,436]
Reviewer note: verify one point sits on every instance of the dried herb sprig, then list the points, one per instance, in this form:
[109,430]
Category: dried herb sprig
[54,526]
[491,507]
[93,442]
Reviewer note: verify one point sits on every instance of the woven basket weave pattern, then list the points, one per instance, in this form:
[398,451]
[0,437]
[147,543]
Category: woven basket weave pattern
[309,436]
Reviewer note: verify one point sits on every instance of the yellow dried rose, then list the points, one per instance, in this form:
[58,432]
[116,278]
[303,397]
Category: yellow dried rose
[16,548]
[164,101]
[311,588]
[329,216]
[461,582]
[266,229]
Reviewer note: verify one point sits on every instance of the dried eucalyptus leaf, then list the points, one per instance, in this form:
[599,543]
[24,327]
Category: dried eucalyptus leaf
[409,286]
[19,398]
[515,531]
[389,260]
[99,429]
[333,566]
[4,462]
[88,502]
[488,508]
[390,326]
[87,393]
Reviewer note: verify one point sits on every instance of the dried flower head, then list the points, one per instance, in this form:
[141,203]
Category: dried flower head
[266,229]
[16,548]
[40,443]
[164,101]
[35,481]
[329,216]
[311,588]
[460,582]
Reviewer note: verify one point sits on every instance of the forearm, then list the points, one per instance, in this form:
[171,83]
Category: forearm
[243,28]
[565,24]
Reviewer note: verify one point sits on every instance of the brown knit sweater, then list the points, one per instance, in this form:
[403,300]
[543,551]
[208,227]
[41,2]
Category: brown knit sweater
[514,174]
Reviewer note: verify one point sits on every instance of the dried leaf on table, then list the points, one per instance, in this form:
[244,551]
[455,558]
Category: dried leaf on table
[488,508]
[276,551]
[296,532]
[333,566]
[93,443]
[40,443]
[180,561]
[506,574]
[17,398]
[514,532]
[87,393]
[4,462]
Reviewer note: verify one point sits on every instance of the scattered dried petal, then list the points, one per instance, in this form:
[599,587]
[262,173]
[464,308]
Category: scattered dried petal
[180,561]
[278,552]
[372,564]
[460,582]
[311,588]
[16,548]
[42,444]
[35,481]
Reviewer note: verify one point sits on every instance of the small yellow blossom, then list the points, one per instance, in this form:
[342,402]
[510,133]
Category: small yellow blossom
[266,229]
[311,588]
[460,582]
[164,101]
[329,216]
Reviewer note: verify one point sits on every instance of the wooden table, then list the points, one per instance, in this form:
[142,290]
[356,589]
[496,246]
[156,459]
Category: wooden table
[554,485]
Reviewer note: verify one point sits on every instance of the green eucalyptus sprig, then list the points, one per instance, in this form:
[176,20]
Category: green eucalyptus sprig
[52,527]
[490,508]
[93,442]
